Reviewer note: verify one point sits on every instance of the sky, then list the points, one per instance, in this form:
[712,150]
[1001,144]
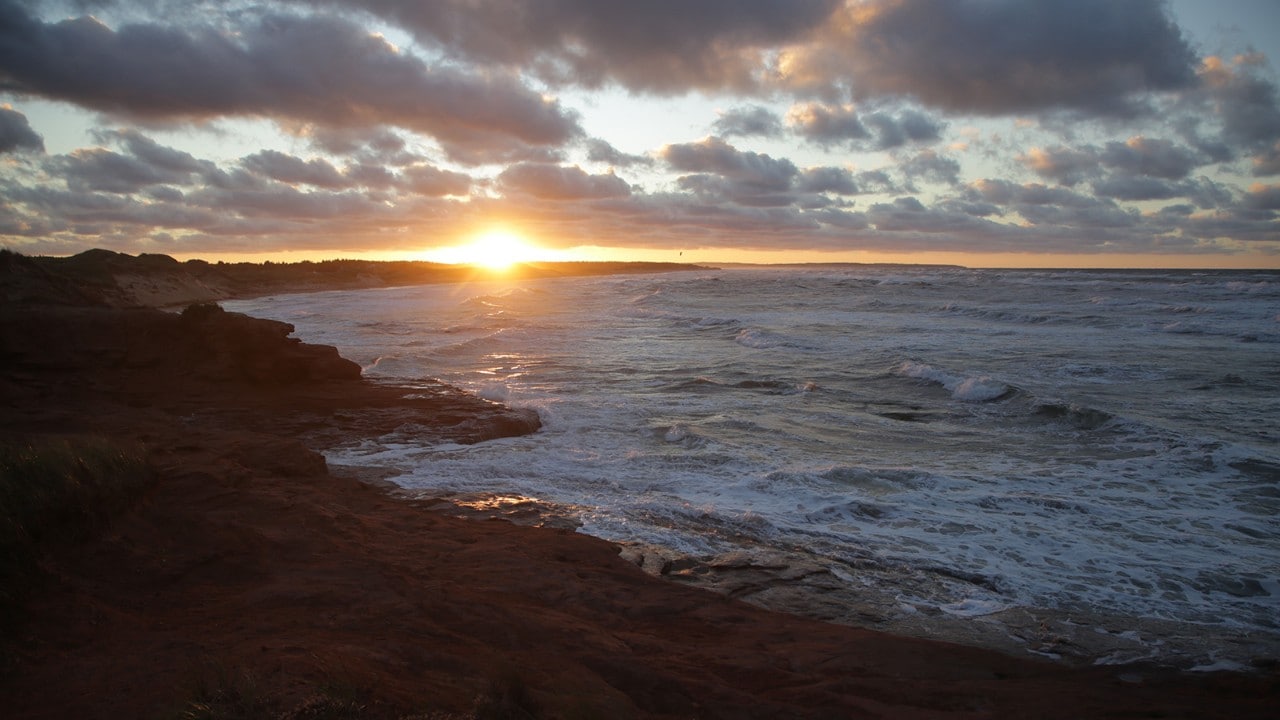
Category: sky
[1079,133]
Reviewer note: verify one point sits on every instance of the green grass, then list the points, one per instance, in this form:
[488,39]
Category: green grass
[58,490]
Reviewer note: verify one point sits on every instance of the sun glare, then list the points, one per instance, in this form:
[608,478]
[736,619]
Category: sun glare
[497,250]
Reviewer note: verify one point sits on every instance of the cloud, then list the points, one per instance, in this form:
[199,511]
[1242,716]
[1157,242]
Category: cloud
[1138,157]
[748,121]
[1245,101]
[16,133]
[600,151]
[932,167]
[827,180]
[829,125]
[1149,157]
[1263,197]
[661,46]
[100,169]
[557,182]
[431,181]
[909,216]
[749,171]
[1054,206]
[909,126]
[375,142]
[996,57]
[1267,162]
[295,171]
[1062,164]
[313,69]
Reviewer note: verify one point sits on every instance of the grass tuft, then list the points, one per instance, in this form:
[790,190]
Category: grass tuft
[58,490]
[507,697]
[221,693]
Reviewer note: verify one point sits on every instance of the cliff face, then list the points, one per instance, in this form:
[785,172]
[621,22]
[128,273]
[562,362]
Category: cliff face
[203,342]
[65,343]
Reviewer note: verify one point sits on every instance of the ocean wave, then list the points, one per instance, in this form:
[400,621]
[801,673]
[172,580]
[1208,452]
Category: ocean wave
[775,387]
[705,322]
[761,339]
[470,346]
[1083,418]
[1006,316]
[507,298]
[976,388]
[877,481]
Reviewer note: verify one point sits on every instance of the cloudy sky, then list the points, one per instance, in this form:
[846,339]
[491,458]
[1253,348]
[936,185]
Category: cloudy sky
[983,132]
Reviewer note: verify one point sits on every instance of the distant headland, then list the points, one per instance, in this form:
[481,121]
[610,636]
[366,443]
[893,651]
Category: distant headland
[152,280]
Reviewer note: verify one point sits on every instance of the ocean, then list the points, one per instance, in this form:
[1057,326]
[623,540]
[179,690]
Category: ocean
[1080,464]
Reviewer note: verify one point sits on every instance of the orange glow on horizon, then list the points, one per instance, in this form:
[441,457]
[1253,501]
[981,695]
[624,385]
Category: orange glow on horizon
[496,250]
[521,250]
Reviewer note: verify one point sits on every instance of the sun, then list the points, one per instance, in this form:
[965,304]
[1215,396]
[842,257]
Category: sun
[495,250]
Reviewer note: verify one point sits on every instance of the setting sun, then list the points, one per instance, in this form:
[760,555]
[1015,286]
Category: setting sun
[495,250]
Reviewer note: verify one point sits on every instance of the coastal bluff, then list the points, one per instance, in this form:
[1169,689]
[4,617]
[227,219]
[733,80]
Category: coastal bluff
[247,578]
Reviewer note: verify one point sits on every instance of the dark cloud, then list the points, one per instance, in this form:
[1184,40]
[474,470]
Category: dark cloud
[295,171]
[665,46]
[827,180]
[1054,206]
[931,167]
[434,182]
[373,142]
[843,221]
[1149,157]
[829,125]
[602,152]
[1203,192]
[1252,223]
[1267,162]
[1263,197]
[748,170]
[720,172]
[372,175]
[998,56]
[1137,188]
[313,69]
[557,182]
[145,193]
[16,133]
[1140,169]
[909,126]
[747,122]
[1244,100]
[877,181]
[100,169]
[1004,192]
[1062,164]
[909,215]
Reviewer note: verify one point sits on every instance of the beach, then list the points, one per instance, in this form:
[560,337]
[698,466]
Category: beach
[251,579]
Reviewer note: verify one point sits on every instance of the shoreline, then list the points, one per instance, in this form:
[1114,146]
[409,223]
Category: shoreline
[250,573]
[820,589]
